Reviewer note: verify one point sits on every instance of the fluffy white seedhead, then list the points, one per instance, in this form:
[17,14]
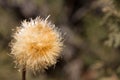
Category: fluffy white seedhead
[36,44]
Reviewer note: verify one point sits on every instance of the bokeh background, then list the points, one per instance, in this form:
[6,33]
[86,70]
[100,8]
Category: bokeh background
[92,40]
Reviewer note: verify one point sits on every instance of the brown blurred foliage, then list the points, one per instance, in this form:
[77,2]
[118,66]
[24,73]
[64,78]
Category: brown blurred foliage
[92,37]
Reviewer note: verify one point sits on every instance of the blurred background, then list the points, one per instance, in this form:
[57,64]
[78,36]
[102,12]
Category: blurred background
[92,40]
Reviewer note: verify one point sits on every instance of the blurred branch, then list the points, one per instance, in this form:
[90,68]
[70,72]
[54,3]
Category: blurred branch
[23,10]
[82,11]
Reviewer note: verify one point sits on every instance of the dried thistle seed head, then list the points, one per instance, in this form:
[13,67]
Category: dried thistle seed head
[36,44]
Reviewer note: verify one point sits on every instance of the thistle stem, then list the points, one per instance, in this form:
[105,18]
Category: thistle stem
[24,74]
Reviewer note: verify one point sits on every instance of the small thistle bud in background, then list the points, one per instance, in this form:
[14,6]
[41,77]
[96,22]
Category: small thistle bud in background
[36,45]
